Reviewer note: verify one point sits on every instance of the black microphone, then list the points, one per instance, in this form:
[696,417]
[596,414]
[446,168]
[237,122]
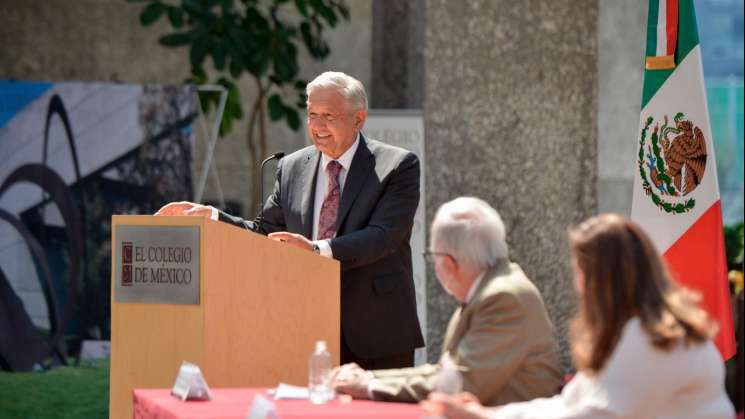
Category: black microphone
[275,156]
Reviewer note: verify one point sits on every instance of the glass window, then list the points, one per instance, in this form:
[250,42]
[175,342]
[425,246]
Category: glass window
[720,25]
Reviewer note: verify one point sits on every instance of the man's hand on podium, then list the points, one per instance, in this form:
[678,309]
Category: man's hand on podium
[185,208]
[297,240]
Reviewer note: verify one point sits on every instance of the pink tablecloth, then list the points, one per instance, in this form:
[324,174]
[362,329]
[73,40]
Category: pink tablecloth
[236,402]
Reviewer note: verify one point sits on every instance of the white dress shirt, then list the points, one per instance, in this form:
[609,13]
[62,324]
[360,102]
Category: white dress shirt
[474,286]
[322,185]
[639,381]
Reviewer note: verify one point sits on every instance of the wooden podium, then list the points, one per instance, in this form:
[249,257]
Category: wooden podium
[261,306]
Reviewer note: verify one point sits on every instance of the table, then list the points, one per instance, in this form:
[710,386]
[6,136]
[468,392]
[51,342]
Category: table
[235,403]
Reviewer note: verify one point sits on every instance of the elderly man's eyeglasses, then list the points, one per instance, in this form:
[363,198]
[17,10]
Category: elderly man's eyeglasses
[432,256]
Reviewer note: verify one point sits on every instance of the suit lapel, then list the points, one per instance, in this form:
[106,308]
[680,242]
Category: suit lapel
[310,172]
[362,166]
[459,322]
[450,340]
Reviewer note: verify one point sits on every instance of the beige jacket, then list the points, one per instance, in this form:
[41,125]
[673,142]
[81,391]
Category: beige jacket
[502,341]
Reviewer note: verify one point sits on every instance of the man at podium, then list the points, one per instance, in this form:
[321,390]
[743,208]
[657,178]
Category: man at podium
[353,199]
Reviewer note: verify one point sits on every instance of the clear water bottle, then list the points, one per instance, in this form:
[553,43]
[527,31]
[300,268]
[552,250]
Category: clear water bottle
[319,370]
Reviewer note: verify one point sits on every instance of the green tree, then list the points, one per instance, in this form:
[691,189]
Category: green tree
[733,243]
[257,38]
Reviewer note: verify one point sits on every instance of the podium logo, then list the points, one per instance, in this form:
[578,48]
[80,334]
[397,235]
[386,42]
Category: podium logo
[126,264]
[126,252]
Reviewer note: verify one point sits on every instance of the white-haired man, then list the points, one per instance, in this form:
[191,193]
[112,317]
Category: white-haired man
[352,199]
[500,339]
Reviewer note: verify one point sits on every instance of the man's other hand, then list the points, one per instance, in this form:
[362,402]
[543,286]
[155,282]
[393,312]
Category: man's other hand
[297,240]
[351,379]
[185,208]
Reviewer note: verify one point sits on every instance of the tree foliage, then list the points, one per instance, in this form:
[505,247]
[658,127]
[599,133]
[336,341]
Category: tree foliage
[249,37]
[733,242]
[255,38]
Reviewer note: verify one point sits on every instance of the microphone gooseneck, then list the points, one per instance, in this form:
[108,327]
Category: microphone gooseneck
[275,156]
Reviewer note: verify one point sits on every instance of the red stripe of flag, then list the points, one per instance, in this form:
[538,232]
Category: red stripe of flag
[697,260]
[671,25]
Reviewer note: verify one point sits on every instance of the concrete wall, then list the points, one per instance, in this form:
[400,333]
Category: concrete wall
[397,80]
[83,40]
[510,117]
[621,44]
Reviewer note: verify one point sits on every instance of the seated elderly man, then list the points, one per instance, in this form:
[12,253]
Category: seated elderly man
[500,338]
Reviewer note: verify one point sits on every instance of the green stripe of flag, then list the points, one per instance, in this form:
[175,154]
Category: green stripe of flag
[687,40]
[654,10]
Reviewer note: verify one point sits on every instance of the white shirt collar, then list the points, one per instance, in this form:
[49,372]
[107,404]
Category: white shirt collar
[474,286]
[345,159]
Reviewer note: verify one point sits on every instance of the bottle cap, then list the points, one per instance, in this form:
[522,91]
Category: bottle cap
[320,345]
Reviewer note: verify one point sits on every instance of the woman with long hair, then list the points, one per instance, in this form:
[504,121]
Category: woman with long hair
[641,344]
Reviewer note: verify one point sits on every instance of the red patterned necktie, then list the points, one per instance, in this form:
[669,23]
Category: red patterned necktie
[330,207]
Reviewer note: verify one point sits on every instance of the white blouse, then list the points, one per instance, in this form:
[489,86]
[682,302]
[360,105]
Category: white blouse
[639,381]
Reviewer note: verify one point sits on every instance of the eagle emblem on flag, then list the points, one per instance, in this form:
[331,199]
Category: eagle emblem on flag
[672,163]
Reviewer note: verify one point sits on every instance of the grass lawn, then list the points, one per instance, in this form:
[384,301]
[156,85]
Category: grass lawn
[66,392]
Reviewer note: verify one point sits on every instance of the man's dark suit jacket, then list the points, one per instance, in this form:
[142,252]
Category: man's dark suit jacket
[376,214]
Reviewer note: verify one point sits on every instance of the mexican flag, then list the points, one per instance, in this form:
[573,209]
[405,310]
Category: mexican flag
[676,194]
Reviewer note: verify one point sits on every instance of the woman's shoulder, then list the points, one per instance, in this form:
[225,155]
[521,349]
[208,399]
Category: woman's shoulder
[634,331]
[635,347]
